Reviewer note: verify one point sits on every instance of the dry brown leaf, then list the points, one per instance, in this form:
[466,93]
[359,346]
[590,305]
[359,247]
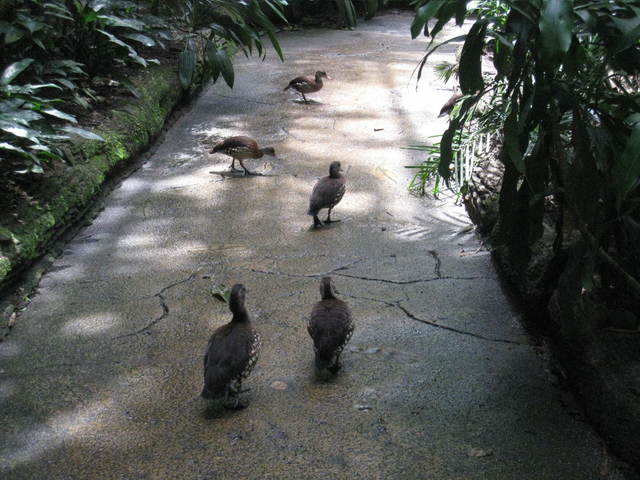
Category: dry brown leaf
[479,452]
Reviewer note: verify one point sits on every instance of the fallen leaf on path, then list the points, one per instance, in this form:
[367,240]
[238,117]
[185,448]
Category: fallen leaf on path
[220,292]
[479,452]
[278,385]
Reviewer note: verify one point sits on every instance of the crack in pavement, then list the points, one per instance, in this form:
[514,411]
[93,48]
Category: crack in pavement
[370,279]
[410,282]
[436,267]
[308,275]
[163,304]
[397,304]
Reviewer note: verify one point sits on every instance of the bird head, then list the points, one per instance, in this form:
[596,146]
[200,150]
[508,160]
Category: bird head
[320,74]
[269,151]
[236,299]
[335,169]
[326,289]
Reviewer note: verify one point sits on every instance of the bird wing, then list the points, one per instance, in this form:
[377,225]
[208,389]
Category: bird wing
[326,193]
[296,82]
[330,325]
[222,362]
[239,142]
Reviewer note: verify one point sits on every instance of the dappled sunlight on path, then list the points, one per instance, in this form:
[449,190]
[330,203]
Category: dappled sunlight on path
[102,374]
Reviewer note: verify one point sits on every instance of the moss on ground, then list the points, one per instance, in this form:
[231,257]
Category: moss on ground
[127,132]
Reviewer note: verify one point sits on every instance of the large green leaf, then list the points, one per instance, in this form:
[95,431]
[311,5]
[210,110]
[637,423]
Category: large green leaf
[227,70]
[11,147]
[13,70]
[461,12]
[130,23]
[13,34]
[187,63]
[276,44]
[23,116]
[582,182]
[446,150]
[512,141]
[58,114]
[83,133]
[276,7]
[626,172]
[471,59]
[372,8]
[31,24]
[19,131]
[555,32]
[423,15]
[140,38]
[347,12]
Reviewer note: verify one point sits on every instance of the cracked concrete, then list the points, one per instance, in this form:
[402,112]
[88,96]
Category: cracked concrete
[100,378]
[163,304]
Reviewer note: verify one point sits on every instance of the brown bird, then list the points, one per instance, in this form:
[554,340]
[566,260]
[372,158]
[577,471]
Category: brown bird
[326,193]
[231,354]
[330,327]
[448,107]
[307,84]
[241,148]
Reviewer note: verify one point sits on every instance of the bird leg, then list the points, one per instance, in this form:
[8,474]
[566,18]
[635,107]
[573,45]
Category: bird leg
[335,368]
[233,165]
[246,171]
[305,98]
[232,399]
[328,220]
[316,222]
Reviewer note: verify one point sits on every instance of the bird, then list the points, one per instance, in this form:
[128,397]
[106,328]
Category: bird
[448,106]
[307,84]
[231,354]
[241,148]
[326,193]
[330,327]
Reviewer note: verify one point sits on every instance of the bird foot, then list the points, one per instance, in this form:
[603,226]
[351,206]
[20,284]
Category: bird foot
[328,220]
[236,403]
[335,368]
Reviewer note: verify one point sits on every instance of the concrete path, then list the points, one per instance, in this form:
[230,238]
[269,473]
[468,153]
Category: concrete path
[101,376]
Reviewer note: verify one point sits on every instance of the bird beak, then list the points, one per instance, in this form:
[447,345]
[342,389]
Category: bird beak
[329,78]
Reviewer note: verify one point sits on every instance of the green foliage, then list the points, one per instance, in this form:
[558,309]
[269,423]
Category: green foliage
[564,98]
[51,49]
[47,48]
[27,138]
[216,29]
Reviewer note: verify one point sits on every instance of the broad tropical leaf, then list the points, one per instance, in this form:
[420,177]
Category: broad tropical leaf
[13,70]
[555,31]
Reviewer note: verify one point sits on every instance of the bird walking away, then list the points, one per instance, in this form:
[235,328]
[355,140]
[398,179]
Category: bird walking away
[231,354]
[307,84]
[326,193]
[242,148]
[330,327]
